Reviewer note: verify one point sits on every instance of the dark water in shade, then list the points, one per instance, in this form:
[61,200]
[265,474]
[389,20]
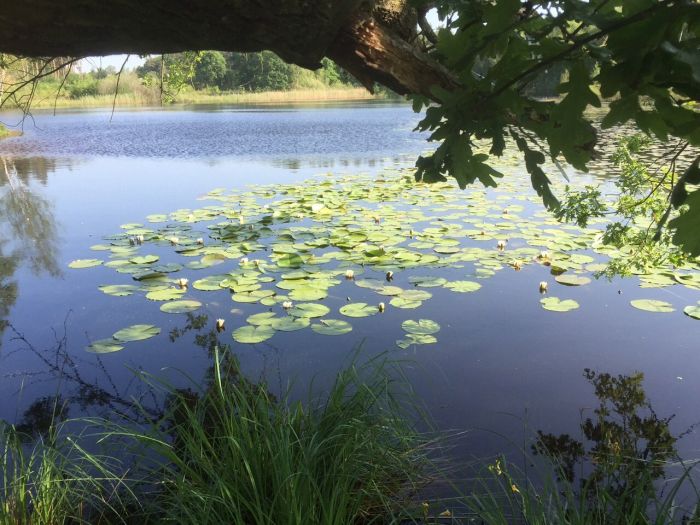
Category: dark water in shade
[502,367]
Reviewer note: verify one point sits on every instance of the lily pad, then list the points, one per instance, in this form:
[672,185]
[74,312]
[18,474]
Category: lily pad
[253,334]
[263,318]
[359,310]
[166,294]
[572,280]
[415,339]
[289,323]
[331,327]
[136,332]
[463,286]
[692,311]
[402,302]
[652,305]
[84,263]
[119,290]
[422,326]
[555,304]
[309,310]
[427,281]
[104,346]
[180,307]
[144,259]
[308,293]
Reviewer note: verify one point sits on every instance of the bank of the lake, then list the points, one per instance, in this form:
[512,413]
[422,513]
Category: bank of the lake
[50,99]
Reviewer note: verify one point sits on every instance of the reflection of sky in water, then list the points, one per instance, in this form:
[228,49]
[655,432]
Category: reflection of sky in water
[501,364]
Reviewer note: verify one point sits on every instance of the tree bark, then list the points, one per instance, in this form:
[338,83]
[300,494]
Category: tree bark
[373,40]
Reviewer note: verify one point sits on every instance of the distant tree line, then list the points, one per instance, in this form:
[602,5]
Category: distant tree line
[262,71]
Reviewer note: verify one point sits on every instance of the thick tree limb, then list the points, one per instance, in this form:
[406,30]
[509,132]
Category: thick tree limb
[373,39]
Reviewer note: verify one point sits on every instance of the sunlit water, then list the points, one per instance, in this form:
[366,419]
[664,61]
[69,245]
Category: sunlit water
[503,367]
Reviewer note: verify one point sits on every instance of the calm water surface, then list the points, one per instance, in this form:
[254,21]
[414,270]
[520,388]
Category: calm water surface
[503,366]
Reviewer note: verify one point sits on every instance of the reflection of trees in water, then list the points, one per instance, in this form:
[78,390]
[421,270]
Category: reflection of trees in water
[626,445]
[139,401]
[28,231]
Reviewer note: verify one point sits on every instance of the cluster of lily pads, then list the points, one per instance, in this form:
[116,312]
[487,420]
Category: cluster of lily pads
[284,249]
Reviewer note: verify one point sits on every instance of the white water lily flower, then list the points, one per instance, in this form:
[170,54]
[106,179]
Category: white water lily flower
[200,241]
[349,274]
[287,305]
[501,245]
[219,324]
[389,275]
[543,286]
[381,307]
[544,254]
[174,240]
[517,265]
[244,260]
[182,282]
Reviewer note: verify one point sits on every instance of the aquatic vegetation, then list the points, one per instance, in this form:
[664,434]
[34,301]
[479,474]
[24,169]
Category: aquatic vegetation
[298,249]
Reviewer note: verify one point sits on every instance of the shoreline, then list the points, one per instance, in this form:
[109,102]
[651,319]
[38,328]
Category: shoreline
[194,98]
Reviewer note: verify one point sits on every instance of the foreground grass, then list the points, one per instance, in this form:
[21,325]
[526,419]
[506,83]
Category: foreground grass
[231,452]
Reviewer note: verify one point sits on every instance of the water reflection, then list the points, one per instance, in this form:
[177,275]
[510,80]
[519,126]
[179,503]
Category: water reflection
[28,232]
[626,445]
[82,393]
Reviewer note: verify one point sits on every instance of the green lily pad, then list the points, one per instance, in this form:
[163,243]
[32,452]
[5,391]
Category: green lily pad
[136,332]
[427,281]
[263,318]
[253,334]
[180,307]
[166,294]
[84,263]
[309,310]
[692,311]
[402,302]
[209,284]
[144,259]
[359,310]
[415,339]
[652,305]
[555,304]
[119,290]
[572,280]
[308,293]
[463,286]
[104,346]
[331,327]
[422,326]
[289,323]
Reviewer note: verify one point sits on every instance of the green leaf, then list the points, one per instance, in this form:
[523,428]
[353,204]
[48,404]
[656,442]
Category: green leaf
[652,305]
[180,307]
[145,259]
[289,323]
[422,326]
[136,332]
[415,339]
[119,290]
[104,346]
[571,280]
[309,310]
[359,310]
[687,226]
[463,286]
[84,263]
[331,327]
[253,334]
[166,294]
[555,304]
[692,311]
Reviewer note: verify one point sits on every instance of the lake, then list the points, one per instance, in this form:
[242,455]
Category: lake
[502,366]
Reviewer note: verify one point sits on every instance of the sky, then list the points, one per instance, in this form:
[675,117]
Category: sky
[92,63]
